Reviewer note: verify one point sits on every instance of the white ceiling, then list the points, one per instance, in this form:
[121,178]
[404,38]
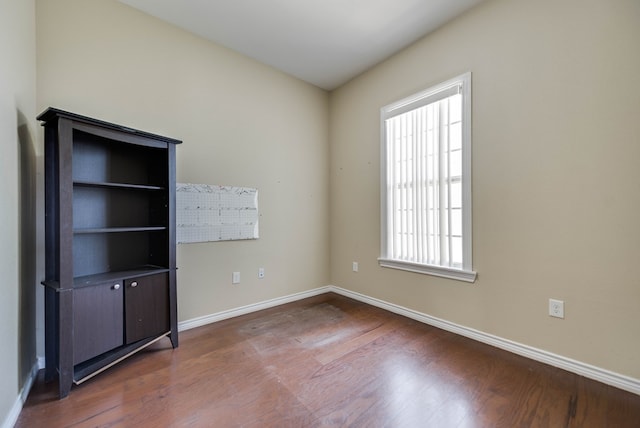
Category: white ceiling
[323,42]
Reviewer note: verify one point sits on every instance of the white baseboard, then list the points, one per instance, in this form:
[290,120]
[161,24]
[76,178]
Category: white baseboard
[601,375]
[14,413]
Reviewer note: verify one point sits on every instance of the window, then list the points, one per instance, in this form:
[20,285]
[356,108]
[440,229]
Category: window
[426,181]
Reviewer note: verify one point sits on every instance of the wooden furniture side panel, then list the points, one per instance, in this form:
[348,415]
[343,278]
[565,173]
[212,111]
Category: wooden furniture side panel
[52,240]
[97,319]
[64,254]
[146,307]
[171,244]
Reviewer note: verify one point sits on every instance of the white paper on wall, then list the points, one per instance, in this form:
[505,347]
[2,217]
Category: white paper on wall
[207,212]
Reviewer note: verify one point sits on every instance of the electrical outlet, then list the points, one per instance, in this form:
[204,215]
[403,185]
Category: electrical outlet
[260,273]
[235,278]
[354,266]
[556,308]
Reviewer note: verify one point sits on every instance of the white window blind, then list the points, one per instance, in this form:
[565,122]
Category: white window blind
[426,182]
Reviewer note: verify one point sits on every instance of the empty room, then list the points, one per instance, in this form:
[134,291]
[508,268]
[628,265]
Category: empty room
[407,213]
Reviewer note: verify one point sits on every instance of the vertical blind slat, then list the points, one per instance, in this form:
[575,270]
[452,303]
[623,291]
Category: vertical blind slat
[415,184]
[391,187]
[448,179]
[403,156]
[435,177]
[419,185]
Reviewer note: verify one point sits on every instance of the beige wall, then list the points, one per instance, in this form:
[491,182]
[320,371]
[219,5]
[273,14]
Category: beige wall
[242,123]
[556,143]
[17,124]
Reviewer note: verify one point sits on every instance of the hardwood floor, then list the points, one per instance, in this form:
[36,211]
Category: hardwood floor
[329,361]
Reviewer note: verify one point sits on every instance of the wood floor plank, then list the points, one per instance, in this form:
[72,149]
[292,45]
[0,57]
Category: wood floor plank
[333,353]
[329,361]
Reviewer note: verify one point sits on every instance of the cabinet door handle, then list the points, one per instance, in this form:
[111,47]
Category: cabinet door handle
[116,286]
[134,284]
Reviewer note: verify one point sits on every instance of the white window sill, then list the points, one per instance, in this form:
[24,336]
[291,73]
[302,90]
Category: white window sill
[443,272]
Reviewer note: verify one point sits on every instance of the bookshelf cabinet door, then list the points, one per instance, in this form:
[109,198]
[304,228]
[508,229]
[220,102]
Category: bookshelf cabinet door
[146,307]
[97,320]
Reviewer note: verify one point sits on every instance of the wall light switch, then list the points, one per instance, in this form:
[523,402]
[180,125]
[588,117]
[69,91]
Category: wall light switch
[235,279]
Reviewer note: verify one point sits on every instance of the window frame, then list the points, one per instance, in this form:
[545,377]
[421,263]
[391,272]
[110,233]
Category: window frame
[459,84]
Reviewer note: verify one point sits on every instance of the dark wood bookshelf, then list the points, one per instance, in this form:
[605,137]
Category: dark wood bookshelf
[110,270]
